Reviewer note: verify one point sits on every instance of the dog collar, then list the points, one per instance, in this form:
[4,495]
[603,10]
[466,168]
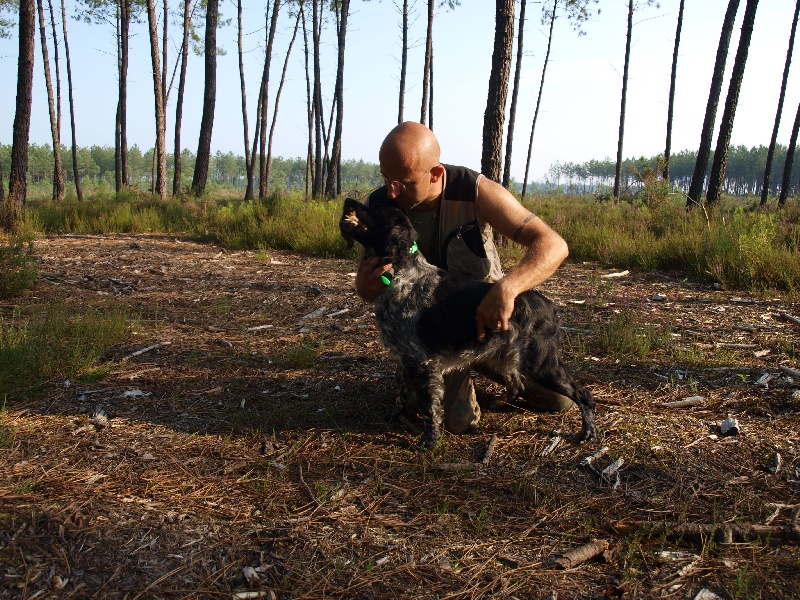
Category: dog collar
[387,277]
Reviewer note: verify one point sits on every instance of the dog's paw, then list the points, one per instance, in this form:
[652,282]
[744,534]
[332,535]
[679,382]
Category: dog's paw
[429,441]
[587,434]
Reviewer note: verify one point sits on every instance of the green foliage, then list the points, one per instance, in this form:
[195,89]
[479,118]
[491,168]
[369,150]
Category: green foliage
[736,245]
[56,342]
[17,268]
[622,335]
[302,355]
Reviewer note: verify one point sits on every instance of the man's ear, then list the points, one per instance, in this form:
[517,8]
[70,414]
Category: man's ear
[437,173]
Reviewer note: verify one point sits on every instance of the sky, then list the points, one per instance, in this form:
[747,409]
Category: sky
[579,114]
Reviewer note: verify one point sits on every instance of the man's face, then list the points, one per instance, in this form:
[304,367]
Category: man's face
[406,187]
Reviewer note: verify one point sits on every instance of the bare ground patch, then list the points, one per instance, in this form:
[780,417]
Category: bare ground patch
[247,453]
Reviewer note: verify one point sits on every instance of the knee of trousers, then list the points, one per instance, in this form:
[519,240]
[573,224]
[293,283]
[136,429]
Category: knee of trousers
[541,398]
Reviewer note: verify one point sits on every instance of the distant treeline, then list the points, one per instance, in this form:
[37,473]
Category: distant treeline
[744,174]
[96,164]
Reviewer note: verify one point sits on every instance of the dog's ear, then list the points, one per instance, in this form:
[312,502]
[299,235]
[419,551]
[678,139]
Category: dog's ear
[350,221]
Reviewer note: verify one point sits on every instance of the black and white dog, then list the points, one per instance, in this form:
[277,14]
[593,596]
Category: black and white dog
[426,318]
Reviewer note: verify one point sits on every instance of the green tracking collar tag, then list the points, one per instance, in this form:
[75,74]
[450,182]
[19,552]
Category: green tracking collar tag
[387,277]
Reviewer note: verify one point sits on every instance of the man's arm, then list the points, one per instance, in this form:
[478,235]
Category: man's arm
[546,251]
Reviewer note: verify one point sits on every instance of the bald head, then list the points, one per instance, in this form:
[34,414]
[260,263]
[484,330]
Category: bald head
[410,146]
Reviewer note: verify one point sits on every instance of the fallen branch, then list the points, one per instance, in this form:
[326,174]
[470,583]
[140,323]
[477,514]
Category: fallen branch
[489,449]
[685,403]
[143,350]
[577,556]
[725,533]
[790,318]
[788,371]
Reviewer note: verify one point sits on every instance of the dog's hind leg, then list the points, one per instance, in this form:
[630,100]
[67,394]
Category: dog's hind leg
[560,380]
[426,378]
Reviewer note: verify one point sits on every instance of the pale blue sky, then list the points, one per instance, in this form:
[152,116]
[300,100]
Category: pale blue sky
[579,117]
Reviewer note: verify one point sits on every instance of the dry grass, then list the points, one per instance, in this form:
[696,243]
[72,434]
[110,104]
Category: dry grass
[261,462]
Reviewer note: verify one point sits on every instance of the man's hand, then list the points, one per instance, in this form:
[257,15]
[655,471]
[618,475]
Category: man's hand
[495,309]
[368,278]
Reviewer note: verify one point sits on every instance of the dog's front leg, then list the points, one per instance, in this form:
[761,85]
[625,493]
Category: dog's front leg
[426,378]
[406,401]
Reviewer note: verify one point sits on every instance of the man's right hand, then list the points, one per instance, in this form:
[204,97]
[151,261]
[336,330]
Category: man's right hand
[368,278]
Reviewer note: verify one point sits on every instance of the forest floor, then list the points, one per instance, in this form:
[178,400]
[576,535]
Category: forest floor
[245,452]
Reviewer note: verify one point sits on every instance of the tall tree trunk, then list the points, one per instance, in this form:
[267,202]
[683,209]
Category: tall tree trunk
[427,69]
[123,91]
[176,176]
[2,188]
[494,116]
[701,164]
[160,151]
[248,194]
[334,181]
[76,172]
[58,172]
[309,110]
[618,171]
[278,94]
[787,166]
[263,188]
[720,163]
[17,184]
[512,115]
[209,101]
[781,97]
[539,97]
[671,103]
[430,90]
[318,116]
[403,64]
[118,115]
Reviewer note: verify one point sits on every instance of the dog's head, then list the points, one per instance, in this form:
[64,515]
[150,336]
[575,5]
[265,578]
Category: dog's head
[383,230]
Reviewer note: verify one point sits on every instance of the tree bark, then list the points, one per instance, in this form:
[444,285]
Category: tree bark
[427,69]
[17,184]
[75,170]
[494,116]
[334,176]
[671,103]
[209,101]
[403,64]
[278,94]
[787,166]
[177,175]
[701,164]
[160,151]
[720,163]
[318,116]
[539,97]
[263,188]
[618,171]
[248,194]
[512,115]
[125,25]
[773,141]
[309,109]
[58,170]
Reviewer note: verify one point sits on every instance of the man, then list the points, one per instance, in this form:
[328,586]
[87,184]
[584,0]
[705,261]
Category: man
[454,211]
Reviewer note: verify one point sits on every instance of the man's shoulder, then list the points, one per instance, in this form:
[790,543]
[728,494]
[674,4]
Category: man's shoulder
[461,183]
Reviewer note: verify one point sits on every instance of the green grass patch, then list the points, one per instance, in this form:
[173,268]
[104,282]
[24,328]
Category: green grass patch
[735,244]
[56,342]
